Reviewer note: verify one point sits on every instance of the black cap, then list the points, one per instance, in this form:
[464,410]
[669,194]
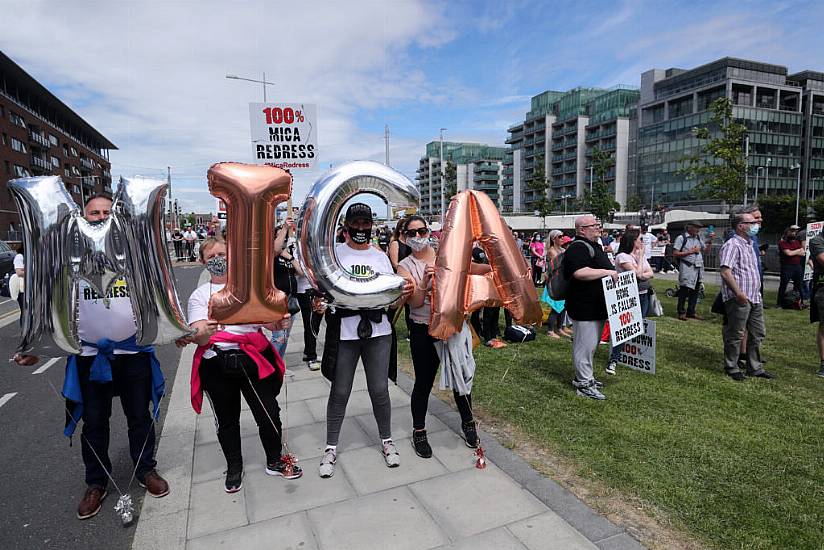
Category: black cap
[695,223]
[358,210]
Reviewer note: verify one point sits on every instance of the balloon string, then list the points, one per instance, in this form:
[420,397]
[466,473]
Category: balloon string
[260,401]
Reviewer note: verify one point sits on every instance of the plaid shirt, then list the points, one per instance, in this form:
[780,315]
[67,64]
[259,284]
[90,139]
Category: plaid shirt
[739,255]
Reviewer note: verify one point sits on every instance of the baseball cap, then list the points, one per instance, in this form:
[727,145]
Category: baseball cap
[695,223]
[566,240]
[795,227]
[358,210]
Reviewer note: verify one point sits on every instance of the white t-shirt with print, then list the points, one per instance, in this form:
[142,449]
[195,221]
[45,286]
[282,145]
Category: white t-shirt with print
[98,319]
[648,238]
[363,264]
[199,311]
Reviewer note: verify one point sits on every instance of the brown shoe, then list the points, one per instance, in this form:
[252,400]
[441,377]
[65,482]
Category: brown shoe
[682,316]
[91,503]
[155,485]
[695,317]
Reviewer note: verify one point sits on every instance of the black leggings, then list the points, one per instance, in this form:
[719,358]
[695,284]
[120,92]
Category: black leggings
[224,395]
[426,362]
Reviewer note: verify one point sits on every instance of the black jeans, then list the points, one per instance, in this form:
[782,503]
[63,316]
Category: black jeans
[487,326]
[178,249]
[689,295]
[132,381]
[425,361]
[794,273]
[311,326]
[224,393]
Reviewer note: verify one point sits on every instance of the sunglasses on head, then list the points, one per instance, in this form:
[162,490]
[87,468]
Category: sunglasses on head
[420,232]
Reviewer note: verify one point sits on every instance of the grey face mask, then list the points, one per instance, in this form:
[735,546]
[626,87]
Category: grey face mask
[217,266]
[417,243]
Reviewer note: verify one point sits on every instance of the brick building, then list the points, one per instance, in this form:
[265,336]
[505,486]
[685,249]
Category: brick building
[40,135]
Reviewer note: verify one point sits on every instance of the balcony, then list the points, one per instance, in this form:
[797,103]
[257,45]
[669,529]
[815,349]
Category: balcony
[40,164]
[39,140]
[87,163]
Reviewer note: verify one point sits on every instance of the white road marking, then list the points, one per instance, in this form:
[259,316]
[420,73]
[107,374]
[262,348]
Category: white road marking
[5,398]
[48,363]
[9,318]
[6,300]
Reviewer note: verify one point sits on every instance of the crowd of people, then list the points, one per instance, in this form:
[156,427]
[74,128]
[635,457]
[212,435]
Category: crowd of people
[231,361]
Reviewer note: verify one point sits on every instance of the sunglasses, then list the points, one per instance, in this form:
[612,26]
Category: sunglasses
[420,232]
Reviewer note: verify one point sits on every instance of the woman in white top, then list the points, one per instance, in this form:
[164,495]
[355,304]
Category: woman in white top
[631,257]
[418,268]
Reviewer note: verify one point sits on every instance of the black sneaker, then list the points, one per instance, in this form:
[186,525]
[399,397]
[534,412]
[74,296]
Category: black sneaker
[234,479]
[761,374]
[278,468]
[421,445]
[470,434]
[737,376]
[820,371]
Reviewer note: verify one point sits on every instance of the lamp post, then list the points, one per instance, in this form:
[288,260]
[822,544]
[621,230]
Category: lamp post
[264,82]
[757,173]
[797,166]
[443,175]
[767,177]
[746,166]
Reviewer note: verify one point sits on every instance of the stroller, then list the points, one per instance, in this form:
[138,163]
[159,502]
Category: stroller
[673,292]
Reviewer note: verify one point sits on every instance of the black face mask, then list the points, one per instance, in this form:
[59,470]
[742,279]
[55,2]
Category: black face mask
[359,236]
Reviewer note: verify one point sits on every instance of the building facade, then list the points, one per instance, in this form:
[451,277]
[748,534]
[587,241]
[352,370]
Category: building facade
[40,135]
[477,166]
[783,115]
[559,134]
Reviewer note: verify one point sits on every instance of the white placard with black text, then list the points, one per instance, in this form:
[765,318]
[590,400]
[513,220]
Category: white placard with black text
[284,134]
[623,307]
[639,353]
[813,230]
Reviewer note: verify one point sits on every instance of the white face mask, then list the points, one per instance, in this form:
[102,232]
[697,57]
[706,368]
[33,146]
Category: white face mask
[417,243]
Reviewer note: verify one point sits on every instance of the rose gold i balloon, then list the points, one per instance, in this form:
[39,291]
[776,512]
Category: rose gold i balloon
[251,193]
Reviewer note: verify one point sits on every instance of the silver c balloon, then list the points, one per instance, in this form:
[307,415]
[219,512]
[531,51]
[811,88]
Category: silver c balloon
[61,248]
[317,223]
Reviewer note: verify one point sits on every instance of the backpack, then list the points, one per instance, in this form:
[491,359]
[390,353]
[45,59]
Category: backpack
[676,261]
[518,333]
[791,300]
[557,282]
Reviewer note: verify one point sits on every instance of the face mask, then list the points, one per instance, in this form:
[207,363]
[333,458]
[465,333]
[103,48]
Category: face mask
[217,266]
[359,236]
[417,243]
[753,230]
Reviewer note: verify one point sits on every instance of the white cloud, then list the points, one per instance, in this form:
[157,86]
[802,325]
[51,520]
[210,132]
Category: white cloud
[151,75]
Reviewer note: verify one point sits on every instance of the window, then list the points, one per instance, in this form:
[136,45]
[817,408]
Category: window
[17,119]
[75,190]
[18,145]
[53,140]
[74,151]
[55,162]
[65,150]
[21,172]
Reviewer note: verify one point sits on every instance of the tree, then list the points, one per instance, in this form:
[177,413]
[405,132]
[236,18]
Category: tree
[779,212]
[600,202]
[450,180]
[721,163]
[818,209]
[540,185]
[634,203]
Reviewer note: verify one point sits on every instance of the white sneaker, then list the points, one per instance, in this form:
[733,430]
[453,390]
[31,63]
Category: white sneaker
[390,454]
[314,365]
[327,464]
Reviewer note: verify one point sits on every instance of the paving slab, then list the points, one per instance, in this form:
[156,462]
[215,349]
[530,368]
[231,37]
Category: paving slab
[549,531]
[213,510]
[289,532]
[270,496]
[451,450]
[471,501]
[299,390]
[390,519]
[367,470]
[401,424]
[309,441]
[496,539]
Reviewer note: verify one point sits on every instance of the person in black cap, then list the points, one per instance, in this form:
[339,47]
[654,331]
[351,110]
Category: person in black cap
[359,334]
[689,249]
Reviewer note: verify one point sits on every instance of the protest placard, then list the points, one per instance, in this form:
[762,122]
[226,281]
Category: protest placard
[284,134]
[658,251]
[639,353]
[623,307]
[813,229]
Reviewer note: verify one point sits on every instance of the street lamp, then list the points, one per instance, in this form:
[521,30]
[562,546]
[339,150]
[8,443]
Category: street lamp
[565,197]
[797,166]
[757,173]
[235,77]
[767,177]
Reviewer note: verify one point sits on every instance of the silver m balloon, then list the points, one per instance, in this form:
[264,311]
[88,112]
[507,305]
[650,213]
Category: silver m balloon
[61,248]
[317,223]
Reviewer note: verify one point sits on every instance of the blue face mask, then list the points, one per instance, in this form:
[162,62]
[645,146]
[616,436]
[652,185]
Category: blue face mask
[753,230]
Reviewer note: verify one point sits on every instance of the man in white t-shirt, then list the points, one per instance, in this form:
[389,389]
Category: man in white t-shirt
[648,238]
[111,363]
[353,335]
[190,238]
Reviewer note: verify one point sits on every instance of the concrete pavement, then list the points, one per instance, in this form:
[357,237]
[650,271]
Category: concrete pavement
[442,502]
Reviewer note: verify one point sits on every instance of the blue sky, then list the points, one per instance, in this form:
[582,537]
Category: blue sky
[150,75]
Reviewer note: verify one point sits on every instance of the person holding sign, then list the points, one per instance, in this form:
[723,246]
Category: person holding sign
[631,257]
[585,264]
[741,293]
[817,295]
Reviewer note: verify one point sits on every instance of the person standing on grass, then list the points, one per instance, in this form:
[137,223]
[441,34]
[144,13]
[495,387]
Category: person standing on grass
[486,320]
[631,257]
[355,335]
[557,313]
[689,248]
[817,295]
[537,256]
[419,268]
[741,293]
[791,253]
[585,264]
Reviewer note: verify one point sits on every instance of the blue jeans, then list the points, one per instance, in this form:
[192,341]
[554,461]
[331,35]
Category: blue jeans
[643,300]
[280,339]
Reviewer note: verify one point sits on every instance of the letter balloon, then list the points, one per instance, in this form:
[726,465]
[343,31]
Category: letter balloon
[317,223]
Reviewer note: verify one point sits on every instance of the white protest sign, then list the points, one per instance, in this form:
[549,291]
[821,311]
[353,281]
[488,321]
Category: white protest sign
[221,209]
[658,251]
[284,135]
[611,257]
[639,353]
[813,229]
[623,307]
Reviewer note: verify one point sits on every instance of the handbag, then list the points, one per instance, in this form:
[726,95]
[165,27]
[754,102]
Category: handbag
[655,306]
[292,305]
